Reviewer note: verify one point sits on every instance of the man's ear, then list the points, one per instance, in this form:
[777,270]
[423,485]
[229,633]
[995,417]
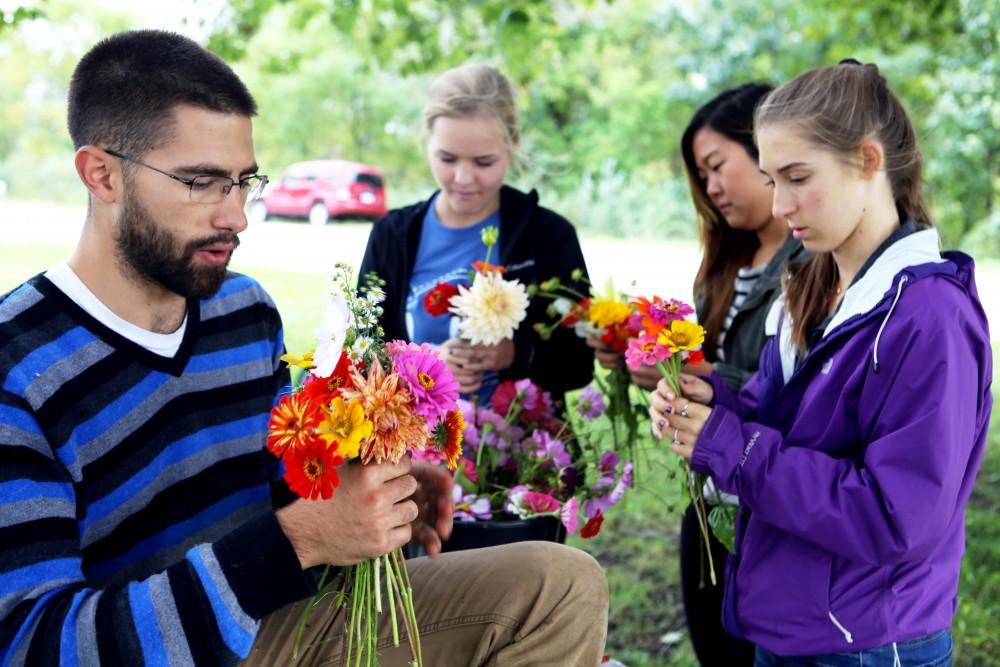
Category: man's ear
[872,158]
[98,173]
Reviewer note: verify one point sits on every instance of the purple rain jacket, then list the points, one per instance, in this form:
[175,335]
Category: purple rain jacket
[853,470]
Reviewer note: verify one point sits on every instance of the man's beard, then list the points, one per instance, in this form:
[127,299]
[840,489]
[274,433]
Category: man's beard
[152,255]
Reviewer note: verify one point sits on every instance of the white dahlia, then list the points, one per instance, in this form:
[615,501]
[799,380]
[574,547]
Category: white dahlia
[491,309]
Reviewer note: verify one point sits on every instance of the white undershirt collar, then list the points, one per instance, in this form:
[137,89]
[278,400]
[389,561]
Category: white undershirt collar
[165,345]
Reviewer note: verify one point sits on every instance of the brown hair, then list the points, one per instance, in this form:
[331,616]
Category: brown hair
[838,108]
[476,89]
[725,250]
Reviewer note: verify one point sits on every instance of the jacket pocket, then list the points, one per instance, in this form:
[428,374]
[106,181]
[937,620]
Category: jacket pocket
[782,585]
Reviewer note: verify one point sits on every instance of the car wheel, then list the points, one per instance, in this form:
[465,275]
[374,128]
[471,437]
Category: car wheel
[258,212]
[319,214]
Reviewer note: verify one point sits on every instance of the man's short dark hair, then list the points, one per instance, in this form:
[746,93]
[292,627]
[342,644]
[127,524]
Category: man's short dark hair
[124,90]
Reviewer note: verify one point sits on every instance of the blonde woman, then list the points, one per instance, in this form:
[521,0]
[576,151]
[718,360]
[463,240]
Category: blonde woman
[473,140]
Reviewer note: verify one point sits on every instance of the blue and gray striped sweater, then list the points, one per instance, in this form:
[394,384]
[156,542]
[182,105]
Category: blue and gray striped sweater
[136,520]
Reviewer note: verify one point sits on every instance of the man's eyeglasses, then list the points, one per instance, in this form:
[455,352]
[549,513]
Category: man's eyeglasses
[209,189]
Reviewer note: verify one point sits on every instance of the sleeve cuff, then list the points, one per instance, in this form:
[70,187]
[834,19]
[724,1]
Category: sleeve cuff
[261,567]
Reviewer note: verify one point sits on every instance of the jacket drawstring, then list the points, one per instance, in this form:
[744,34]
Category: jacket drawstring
[896,662]
[899,290]
[844,631]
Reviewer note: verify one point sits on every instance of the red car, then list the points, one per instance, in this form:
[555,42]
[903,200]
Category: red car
[318,190]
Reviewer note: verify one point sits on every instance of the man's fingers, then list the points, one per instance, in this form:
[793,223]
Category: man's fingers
[400,488]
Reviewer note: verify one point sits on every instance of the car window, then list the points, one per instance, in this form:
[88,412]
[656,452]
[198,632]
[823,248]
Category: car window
[369,179]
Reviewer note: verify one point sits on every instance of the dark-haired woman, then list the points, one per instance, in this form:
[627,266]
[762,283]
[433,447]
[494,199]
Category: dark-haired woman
[856,445]
[745,248]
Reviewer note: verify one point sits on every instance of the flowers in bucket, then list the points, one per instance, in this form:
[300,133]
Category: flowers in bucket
[521,460]
[363,401]
[606,317]
[668,340]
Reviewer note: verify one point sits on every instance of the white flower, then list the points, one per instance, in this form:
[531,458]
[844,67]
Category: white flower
[585,329]
[491,309]
[331,333]
[562,305]
[361,346]
[376,295]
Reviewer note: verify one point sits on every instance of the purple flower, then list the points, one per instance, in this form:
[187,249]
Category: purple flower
[470,507]
[602,503]
[547,447]
[591,403]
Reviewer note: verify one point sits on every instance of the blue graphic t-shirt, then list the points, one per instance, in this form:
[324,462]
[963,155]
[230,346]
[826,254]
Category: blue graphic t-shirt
[445,255]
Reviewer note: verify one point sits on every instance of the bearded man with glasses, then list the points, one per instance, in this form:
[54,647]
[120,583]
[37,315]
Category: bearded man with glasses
[141,518]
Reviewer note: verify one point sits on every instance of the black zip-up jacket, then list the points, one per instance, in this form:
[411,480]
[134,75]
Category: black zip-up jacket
[535,244]
[745,338]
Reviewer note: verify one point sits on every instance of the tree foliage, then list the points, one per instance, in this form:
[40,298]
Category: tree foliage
[606,87]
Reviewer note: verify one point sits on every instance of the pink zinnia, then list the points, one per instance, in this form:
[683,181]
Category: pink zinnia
[645,351]
[570,515]
[524,503]
[434,388]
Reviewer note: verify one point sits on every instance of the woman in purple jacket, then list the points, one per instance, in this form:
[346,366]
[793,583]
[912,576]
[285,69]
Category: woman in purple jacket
[855,446]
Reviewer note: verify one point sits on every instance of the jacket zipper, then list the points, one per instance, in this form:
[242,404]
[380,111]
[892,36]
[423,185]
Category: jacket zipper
[847,633]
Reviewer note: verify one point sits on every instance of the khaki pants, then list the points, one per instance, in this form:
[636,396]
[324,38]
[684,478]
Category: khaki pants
[530,603]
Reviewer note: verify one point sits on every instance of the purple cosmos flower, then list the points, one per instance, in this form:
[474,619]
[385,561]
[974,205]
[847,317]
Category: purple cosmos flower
[547,447]
[470,507]
[591,404]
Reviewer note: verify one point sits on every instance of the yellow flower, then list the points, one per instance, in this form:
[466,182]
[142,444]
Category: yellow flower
[305,361]
[681,336]
[344,427]
[605,312]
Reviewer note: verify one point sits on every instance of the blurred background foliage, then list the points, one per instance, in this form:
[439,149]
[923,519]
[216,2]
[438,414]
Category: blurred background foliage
[606,87]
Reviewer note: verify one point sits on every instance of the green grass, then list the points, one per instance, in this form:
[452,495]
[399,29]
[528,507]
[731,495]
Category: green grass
[638,544]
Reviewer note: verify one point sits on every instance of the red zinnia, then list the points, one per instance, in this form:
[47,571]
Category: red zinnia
[592,527]
[436,301]
[324,390]
[695,357]
[616,337]
[293,423]
[577,312]
[311,471]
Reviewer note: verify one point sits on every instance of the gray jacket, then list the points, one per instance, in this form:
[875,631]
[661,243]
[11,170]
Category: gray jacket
[745,338]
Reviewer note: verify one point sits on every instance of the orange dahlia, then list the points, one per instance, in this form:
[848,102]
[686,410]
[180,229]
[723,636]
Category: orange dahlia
[293,423]
[389,405]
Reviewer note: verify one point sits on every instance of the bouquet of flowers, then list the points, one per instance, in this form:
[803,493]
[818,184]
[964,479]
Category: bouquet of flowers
[491,308]
[669,341]
[370,401]
[521,461]
[608,317]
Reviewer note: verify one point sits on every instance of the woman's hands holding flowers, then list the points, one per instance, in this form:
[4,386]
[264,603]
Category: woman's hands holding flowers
[681,417]
[468,362]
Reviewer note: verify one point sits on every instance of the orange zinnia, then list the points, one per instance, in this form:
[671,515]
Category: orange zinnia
[293,423]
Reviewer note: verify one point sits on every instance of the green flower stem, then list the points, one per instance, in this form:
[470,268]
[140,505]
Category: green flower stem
[695,481]
[390,586]
[406,601]
[377,587]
